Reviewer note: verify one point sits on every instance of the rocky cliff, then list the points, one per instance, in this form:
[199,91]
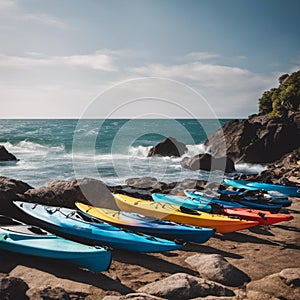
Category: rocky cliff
[267,136]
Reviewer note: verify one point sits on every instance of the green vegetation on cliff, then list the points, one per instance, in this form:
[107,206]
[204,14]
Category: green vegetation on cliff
[279,101]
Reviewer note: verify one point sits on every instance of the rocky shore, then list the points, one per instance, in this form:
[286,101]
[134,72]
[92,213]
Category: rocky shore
[259,263]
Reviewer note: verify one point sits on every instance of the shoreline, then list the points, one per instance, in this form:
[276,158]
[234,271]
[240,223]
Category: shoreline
[258,252]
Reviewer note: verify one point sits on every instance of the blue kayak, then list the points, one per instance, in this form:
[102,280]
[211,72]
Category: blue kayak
[140,223]
[290,191]
[30,240]
[261,197]
[182,201]
[236,203]
[200,196]
[73,224]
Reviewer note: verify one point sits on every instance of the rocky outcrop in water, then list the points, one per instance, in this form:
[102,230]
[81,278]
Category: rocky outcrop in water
[208,163]
[266,137]
[168,147]
[257,139]
[5,155]
[284,171]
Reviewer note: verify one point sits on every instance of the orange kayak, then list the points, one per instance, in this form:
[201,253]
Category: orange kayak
[263,217]
[174,213]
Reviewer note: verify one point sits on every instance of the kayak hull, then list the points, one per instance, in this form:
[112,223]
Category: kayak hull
[222,224]
[180,200]
[14,238]
[144,224]
[290,191]
[67,222]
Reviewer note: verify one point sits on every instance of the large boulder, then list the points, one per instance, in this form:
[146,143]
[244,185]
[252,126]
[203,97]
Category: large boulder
[66,193]
[10,190]
[184,286]
[168,147]
[5,155]
[282,285]
[216,268]
[208,163]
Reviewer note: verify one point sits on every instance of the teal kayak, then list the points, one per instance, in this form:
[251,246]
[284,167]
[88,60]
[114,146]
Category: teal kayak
[182,201]
[73,224]
[30,240]
[290,191]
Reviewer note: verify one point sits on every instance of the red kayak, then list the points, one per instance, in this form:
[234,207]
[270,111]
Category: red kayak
[263,217]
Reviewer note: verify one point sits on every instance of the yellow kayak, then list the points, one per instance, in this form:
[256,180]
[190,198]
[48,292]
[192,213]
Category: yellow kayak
[222,224]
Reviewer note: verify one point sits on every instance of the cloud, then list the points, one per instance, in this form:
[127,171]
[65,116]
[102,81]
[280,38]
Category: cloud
[208,75]
[10,10]
[200,56]
[5,4]
[97,61]
[42,19]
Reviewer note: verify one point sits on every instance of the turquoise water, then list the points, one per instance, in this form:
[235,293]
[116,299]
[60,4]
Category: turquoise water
[110,150]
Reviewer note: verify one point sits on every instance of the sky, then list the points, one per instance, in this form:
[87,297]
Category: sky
[58,56]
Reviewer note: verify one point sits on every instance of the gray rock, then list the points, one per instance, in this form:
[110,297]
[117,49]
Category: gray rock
[215,267]
[142,182]
[12,288]
[66,193]
[5,155]
[168,147]
[184,286]
[282,285]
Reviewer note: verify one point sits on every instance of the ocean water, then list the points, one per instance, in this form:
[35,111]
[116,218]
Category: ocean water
[110,150]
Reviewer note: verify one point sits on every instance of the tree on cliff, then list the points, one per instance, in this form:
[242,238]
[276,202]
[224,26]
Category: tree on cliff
[286,98]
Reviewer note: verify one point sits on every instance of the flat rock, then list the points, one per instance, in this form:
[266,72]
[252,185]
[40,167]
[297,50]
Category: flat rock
[133,296]
[216,268]
[184,286]
[282,285]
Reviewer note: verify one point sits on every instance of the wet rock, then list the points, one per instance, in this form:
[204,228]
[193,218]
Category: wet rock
[282,285]
[5,155]
[208,163]
[284,171]
[184,286]
[168,147]
[215,267]
[66,193]
[12,288]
